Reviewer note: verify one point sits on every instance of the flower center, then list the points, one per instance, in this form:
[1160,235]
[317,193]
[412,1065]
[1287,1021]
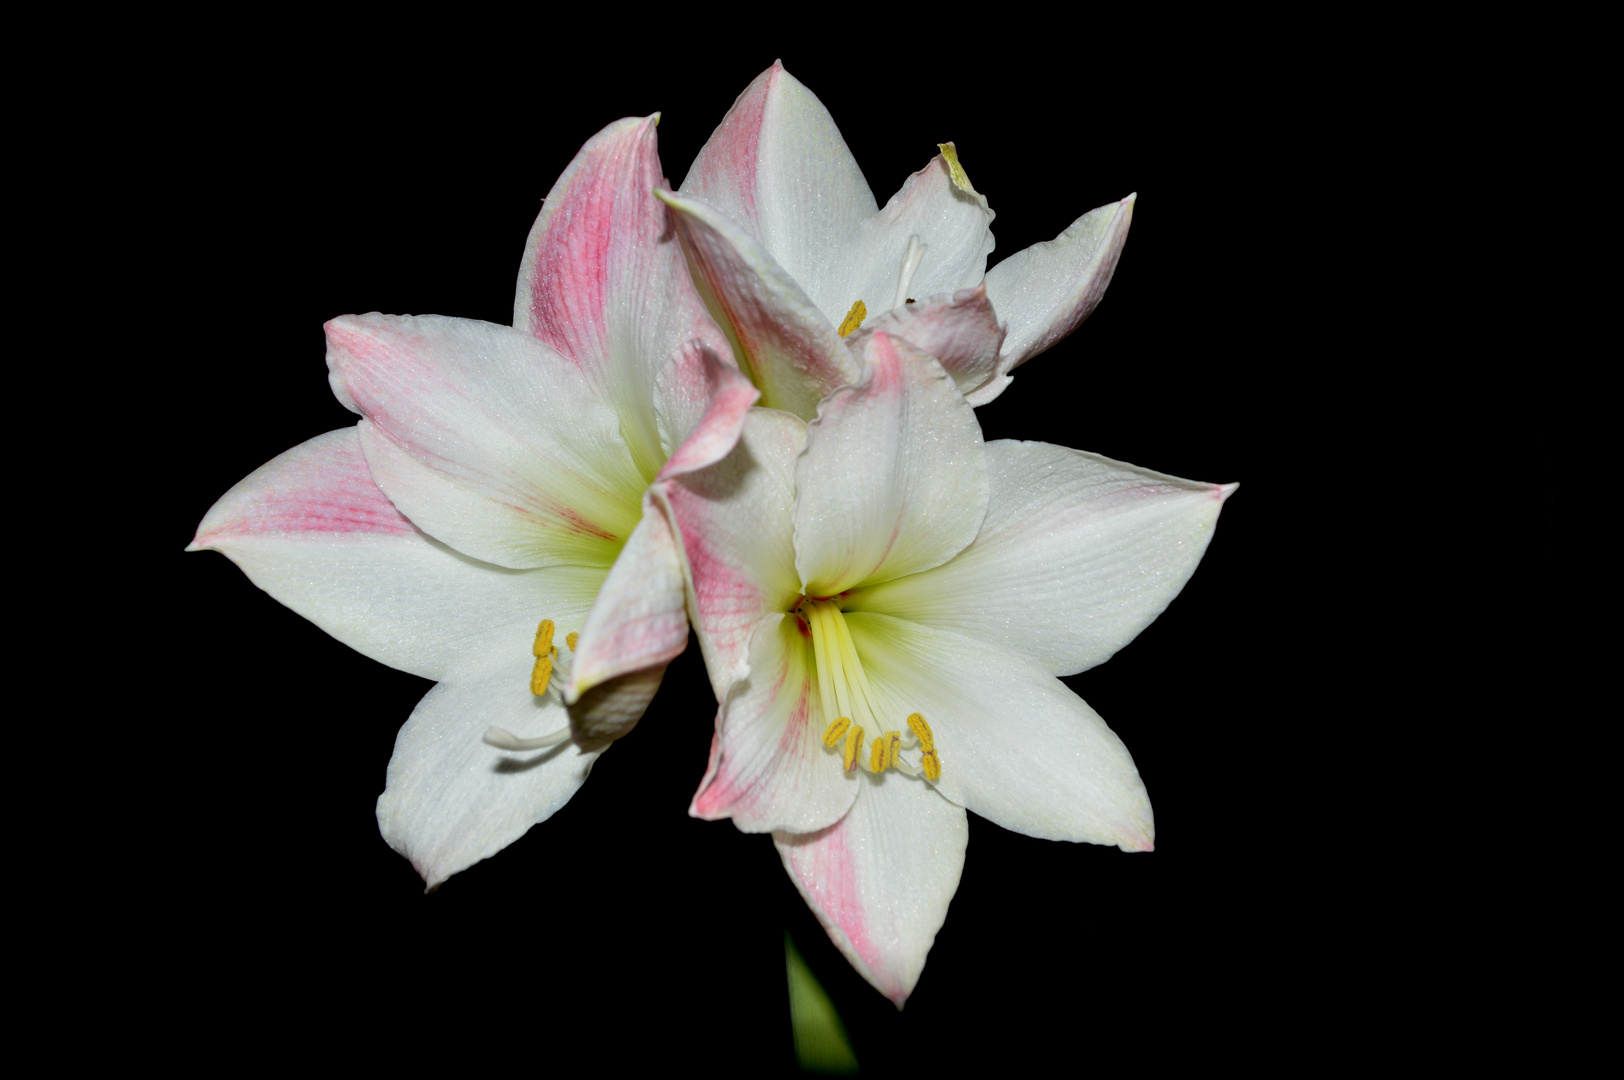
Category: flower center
[848,702]
[541,675]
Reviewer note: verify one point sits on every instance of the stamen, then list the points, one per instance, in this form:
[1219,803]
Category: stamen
[503,739]
[542,672]
[848,700]
[540,675]
[854,743]
[570,640]
[916,723]
[854,318]
[910,264]
[849,664]
[826,688]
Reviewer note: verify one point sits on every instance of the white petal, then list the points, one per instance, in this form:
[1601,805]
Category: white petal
[450,799]
[778,166]
[881,879]
[487,439]
[893,480]
[1046,291]
[1015,745]
[780,339]
[313,530]
[733,519]
[1077,554]
[603,280]
[951,223]
[958,330]
[770,769]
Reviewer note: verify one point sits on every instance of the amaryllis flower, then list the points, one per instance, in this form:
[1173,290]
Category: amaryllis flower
[792,253]
[485,524]
[885,603]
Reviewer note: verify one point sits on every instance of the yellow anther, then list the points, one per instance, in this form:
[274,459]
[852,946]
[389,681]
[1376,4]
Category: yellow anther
[893,748]
[932,764]
[854,318]
[916,724]
[541,674]
[834,731]
[876,760]
[854,744]
[544,640]
[961,179]
[571,639]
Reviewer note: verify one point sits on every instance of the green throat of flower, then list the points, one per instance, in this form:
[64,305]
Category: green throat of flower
[848,702]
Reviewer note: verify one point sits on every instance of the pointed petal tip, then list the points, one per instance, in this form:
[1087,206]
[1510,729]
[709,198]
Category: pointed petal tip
[1129,201]
[431,882]
[1226,490]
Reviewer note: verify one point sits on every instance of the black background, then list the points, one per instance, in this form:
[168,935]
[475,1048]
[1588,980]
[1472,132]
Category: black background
[349,174]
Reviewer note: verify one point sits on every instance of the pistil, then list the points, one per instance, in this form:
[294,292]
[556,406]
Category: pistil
[910,266]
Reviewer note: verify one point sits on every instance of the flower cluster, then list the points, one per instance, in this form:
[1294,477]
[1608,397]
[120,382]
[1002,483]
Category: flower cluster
[745,405]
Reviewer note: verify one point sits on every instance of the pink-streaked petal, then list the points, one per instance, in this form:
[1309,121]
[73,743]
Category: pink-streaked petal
[487,439]
[771,769]
[959,330]
[1046,291]
[733,519]
[780,339]
[639,621]
[953,225]
[1077,555]
[893,480]
[778,166]
[701,403]
[313,530]
[450,799]
[881,878]
[603,282]
[1015,745]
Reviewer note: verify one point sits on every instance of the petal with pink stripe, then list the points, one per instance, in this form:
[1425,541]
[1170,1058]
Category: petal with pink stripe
[312,529]
[880,879]
[603,282]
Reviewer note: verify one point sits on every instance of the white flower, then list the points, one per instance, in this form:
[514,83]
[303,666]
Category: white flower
[485,524]
[885,602]
[792,253]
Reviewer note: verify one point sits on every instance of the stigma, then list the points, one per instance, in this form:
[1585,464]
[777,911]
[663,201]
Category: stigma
[849,709]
